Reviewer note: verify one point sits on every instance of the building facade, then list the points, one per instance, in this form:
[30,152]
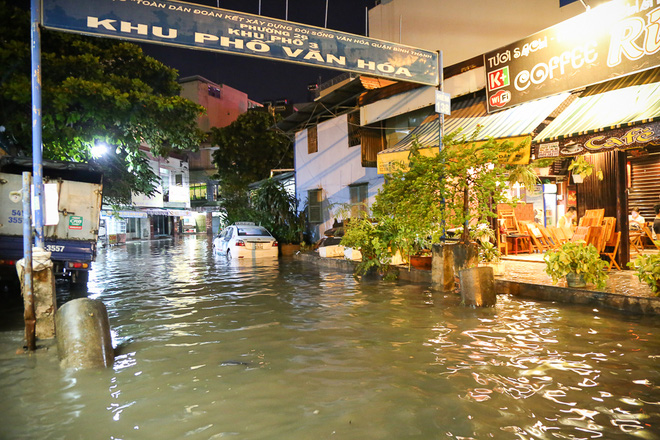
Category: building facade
[223,105]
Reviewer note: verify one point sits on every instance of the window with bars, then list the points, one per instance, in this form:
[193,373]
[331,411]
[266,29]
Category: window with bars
[312,140]
[354,131]
[314,212]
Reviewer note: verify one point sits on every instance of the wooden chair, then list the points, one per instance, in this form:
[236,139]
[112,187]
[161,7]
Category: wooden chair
[558,233]
[502,245]
[533,231]
[646,230]
[636,241]
[614,244]
[596,237]
[609,223]
[568,232]
[549,238]
[592,217]
[510,222]
[582,233]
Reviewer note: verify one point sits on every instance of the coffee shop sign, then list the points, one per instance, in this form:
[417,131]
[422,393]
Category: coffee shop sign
[633,138]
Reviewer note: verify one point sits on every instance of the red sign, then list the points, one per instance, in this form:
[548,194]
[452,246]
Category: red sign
[499,78]
[500,98]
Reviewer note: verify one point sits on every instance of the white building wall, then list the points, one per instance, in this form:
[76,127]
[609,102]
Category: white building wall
[179,195]
[332,169]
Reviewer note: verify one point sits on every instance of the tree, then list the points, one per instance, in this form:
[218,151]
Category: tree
[94,91]
[247,150]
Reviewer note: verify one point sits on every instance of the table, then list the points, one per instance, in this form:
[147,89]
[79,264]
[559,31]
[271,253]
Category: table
[517,240]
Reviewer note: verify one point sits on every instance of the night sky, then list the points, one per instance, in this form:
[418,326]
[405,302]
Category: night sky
[262,79]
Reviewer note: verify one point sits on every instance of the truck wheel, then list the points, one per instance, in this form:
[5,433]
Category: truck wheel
[79,280]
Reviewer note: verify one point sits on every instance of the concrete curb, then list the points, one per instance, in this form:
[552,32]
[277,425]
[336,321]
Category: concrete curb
[638,305]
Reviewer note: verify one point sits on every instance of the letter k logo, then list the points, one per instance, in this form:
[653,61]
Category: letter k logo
[498,78]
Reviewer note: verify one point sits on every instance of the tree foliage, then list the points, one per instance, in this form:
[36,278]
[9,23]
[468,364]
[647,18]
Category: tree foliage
[93,90]
[459,186]
[247,151]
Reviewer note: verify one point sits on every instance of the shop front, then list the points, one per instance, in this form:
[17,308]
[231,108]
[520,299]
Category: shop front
[614,126]
[123,225]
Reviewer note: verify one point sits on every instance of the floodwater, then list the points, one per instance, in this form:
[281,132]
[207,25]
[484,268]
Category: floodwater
[210,349]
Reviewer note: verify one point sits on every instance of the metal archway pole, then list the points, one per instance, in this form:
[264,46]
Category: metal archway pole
[37,143]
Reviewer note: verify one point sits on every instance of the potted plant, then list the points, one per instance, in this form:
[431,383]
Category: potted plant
[277,210]
[578,262]
[542,166]
[581,169]
[648,270]
[373,238]
[489,255]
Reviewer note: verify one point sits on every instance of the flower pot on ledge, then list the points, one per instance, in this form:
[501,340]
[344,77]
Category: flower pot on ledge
[421,261]
[288,249]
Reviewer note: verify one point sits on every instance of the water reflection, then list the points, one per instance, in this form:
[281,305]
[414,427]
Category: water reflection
[209,348]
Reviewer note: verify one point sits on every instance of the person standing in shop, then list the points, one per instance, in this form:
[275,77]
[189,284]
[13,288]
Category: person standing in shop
[566,220]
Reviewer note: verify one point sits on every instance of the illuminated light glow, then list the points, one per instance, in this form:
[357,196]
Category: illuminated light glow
[99,150]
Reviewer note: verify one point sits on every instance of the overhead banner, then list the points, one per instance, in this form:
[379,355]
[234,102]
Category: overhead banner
[612,40]
[201,27]
[619,139]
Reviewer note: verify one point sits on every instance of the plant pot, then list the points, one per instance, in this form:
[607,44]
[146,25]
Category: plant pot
[545,171]
[577,178]
[421,261]
[575,280]
[288,249]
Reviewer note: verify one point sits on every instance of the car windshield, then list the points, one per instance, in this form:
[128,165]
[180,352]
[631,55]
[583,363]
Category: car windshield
[252,231]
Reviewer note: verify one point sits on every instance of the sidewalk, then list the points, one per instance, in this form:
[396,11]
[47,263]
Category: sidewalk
[527,279]
[623,290]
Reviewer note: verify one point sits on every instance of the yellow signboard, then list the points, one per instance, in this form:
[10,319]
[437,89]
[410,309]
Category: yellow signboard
[398,160]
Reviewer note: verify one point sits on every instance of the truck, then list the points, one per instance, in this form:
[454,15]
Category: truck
[73,196]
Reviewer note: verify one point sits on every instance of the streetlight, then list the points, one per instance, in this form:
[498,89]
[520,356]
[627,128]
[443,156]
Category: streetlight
[99,149]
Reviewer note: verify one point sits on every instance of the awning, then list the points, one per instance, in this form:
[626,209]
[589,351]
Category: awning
[125,214]
[601,118]
[513,124]
[170,212]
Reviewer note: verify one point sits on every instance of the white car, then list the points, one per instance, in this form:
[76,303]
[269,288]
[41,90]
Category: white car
[245,240]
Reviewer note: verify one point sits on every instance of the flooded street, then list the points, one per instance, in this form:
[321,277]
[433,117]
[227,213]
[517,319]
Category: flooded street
[211,349]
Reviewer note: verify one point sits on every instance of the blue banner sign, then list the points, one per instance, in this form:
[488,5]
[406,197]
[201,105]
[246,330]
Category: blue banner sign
[201,27]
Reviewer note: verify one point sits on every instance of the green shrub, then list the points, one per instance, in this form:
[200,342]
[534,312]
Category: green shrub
[576,258]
